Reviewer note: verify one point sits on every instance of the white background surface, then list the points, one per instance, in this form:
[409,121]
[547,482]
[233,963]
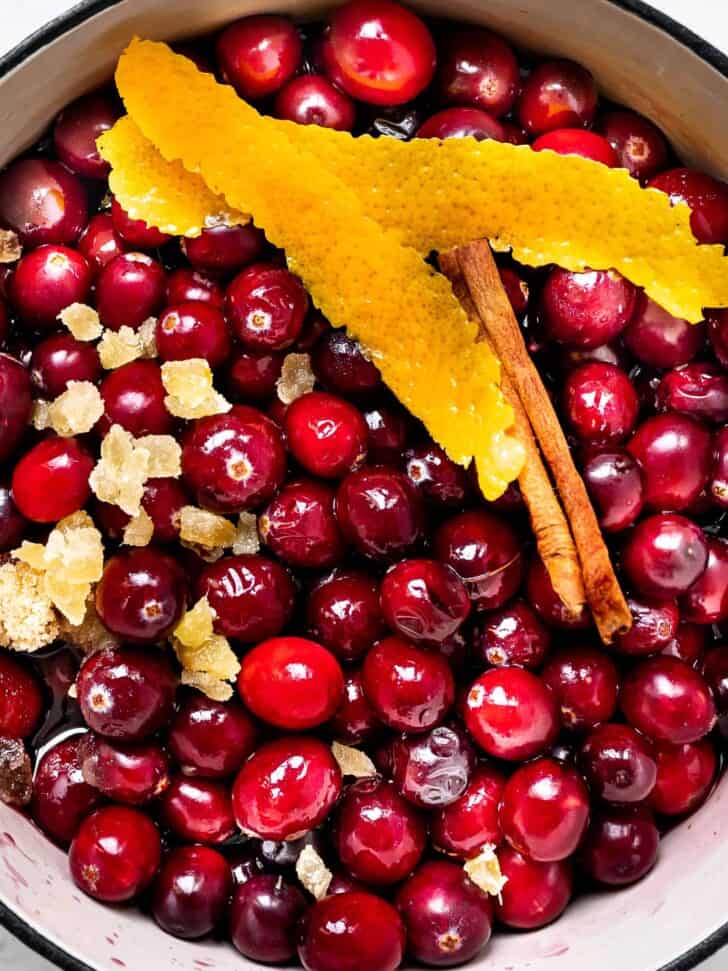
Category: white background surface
[708,18]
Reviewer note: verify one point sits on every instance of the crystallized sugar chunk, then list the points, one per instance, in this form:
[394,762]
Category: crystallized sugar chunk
[203,528]
[121,472]
[91,634]
[209,685]
[28,620]
[246,539]
[207,658]
[10,248]
[190,393]
[40,417]
[313,872]
[139,530]
[148,336]
[296,378]
[77,410]
[119,347]
[352,761]
[165,456]
[82,321]
[484,870]
[196,625]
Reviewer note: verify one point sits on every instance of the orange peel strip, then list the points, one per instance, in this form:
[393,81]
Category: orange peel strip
[358,272]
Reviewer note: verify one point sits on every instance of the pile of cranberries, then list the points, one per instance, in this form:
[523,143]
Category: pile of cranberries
[390,607]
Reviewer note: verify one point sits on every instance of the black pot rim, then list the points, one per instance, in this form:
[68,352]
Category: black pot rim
[77,15]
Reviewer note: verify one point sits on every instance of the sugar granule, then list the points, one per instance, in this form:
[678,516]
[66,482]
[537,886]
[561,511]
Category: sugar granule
[148,336]
[10,248]
[196,625]
[119,347]
[246,539]
[76,410]
[208,684]
[91,635]
[40,417]
[207,529]
[82,321]
[139,530]
[165,456]
[313,873]
[485,872]
[296,378]
[121,472]
[190,393]
[28,620]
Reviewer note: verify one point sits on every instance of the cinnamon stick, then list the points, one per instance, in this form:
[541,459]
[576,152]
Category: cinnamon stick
[603,593]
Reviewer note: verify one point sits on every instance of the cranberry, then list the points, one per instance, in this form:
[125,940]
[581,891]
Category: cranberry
[715,672]
[99,243]
[326,434]
[192,891]
[462,123]
[706,602]
[51,480]
[440,480]
[621,845]
[697,389]
[685,775]
[706,197]
[424,600]
[211,739]
[21,701]
[640,146]
[264,917]
[558,94]
[141,595]
[511,714]
[717,321]
[719,474]
[313,100]
[618,764]
[478,68]
[245,862]
[233,461]
[339,364]
[47,280]
[387,432]
[660,340]
[315,326]
[193,330]
[224,249]
[299,525]
[266,306]
[380,512]
[136,233]
[130,289]
[410,689]
[614,481]
[16,402]
[664,555]
[186,284]
[162,501]
[343,613]
[126,693]
[134,398]
[198,810]
[535,893]
[674,452]
[512,635]
[356,930]
[586,309]
[688,644]
[133,774]
[286,788]
[576,141]
[75,132]
[59,359]
[600,403]
[61,795]
[462,828]
[514,135]
[584,681]
[354,721]
[654,625]
[42,201]
[251,595]
[253,376]
[115,854]
[257,55]
[13,525]
[434,769]
[546,602]
[668,701]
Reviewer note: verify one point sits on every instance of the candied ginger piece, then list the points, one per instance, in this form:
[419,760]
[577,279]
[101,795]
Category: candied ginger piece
[196,625]
[313,873]
[28,620]
[190,393]
[119,347]
[485,872]
[139,530]
[207,529]
[352,761]
[165,456]
[68,597]
[10,248]
[40,417]
[119,475]
[213,656]
[82,321]
[148,336]
[208,684]
[246,539]
[16,773]
[76,410]
[296,377]
[91,635]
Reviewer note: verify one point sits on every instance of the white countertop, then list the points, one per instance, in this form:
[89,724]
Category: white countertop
[708,18]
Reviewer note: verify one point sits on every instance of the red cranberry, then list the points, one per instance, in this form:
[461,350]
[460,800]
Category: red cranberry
[233,461]
[715,672]
[326,434]
[343,613]
[674,452]
[688,644]
[479,69]
[464,827]
[266,306]
[668,701]
[186,284]
[380,512]
[224,249]
[584,681]
[535,893]
[640,146]
[706,602]
[664,555]
[192,891]
[439,479]
[621,845]
[354,721]
[75,132]
[133,774]
[618,764]
[59,359]
[126,693]
[685,775]
[717,321]
[162,501]
[313,100]
[706,197]
[42,201]
[13,525]
[614,481]
[600,403]
[697,389]
[257,55]
[511,714]
[253,376]
[424,600]
[21,701]
[434,769]
[387,431]
[410,689]
[558,94]
[130,289]
[193,329]
[512,635]
[251,595]
[315,326]
[299,525]
[654,625]
[719,474]
[264,918]
[211,739]
[16,402]
[136,233]
[115,854]
[99,243]
[47,280]
[286,788]
[546,602]
[141,595]
[586,309]
[576,141]
[51,480]
[134,398]
[61,795]
[514,135]
[660,340]
[357,931]
[339,364]
[462,123]
[198,810]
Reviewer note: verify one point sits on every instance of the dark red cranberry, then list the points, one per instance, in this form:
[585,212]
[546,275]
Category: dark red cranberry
[546,602]
[51,480]
[614,481]
[286,788]
[387,431]
[162,501]
[233,461]
[664,555]
[130,289]
[21,700]
[198,810]
[141,594]
[134,398]
[584,682]
[464,827]
[61,795]
[660,340]
[126,693]
[325,434]
[715,672]
[439,479]
[253,376]
[514,135]
[251,595]
[264,918]
[668,701]
[600,404]
[193,329]
[618,764]
[115,854]
[535,893]
[696,389]
[133,774]
[339,364]
[640,146]
[706,602]
[654,625]
[586,309]
[719,473]
[75,132]
[573,357]
[674,452]
[136,233]
[576,141]
[13,525]
[685,775]
[434,769]
[462,123]
[517,289]
[299,525]
[313,100]
[357,931]
[479,69]
[717,321]
[245,862]
[186,284]
[621,845]
[266,306]
[343,613]
[224,249]
[47,280]
[315,326]
[512,635]
[192,891]
[424,600]
[257,55]
[380,512]
[59,359]
[511,714]
[558,94]
[688,644]
[354,721]
[211,739]
[16,403]
[706,197]
[410,689]
[42,201]
[99,243]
